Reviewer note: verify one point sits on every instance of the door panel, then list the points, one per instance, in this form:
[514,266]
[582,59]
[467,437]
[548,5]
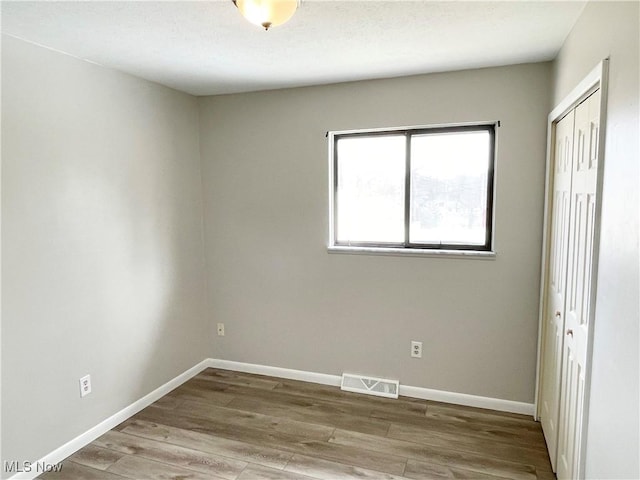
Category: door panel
[579,284]
[554,324]
[569,426]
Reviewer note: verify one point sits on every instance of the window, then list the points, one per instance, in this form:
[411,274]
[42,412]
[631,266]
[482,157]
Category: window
[415,189]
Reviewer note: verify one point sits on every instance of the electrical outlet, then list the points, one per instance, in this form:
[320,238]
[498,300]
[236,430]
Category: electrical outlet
[85,385]
[221,329]
[416,349]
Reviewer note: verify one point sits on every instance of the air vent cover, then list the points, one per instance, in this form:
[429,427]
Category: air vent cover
[370,385]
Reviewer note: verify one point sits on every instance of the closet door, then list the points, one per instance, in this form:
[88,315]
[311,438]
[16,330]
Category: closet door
[579,284]
[556,283]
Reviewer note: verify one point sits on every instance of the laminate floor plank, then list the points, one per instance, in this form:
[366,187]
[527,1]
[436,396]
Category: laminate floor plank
[422,432]
[219,427]
[189,391]
[268,457]
[354,403]
[420,470]
[233,378]
[275,397]
[473,419]
[95,457]
[318,468]
[256,420]
[479,463]
[123,425]
[501,430]
[168,402]
[177,456]
[330,393]
[513,453]
[257,472]
[546,475]
[355,457]
[524,433]
[138,468]
[313,415]
[452,413]
[238,426]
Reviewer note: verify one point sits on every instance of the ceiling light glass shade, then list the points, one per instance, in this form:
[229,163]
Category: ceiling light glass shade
[267,13]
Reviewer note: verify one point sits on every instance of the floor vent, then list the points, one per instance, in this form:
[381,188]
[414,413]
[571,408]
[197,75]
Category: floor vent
[370,385]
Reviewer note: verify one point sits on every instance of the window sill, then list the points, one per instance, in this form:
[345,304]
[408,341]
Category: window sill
[413,252]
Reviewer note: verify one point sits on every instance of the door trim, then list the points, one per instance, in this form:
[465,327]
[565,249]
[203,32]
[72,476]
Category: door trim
[596,79]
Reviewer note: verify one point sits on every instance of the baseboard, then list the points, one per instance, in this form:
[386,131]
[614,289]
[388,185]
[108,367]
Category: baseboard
[467,400]
[103,427]
[405,390]
[304,376]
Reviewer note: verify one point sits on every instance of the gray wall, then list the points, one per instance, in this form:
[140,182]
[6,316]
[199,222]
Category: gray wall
[611,29]
[101,244]
[286,302]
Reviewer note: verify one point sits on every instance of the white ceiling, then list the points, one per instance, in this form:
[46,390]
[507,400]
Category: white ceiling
[207,48]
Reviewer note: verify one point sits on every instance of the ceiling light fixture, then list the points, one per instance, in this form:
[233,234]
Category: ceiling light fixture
[267,13]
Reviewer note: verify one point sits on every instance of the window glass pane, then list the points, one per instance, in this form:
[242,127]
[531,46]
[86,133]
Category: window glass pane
[449,178]
[370,194]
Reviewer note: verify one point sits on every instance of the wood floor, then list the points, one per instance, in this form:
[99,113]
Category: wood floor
[229,425]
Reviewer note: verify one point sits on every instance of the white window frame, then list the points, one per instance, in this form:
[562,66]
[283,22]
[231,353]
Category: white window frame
[333,247]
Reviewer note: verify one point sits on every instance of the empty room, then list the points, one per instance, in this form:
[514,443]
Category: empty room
[315,239]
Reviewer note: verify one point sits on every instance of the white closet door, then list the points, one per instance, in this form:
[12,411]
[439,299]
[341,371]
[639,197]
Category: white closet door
[579,270]
[556,283]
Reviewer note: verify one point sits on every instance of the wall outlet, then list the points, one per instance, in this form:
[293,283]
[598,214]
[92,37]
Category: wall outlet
[221,329]
[416,349]
[85,385]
